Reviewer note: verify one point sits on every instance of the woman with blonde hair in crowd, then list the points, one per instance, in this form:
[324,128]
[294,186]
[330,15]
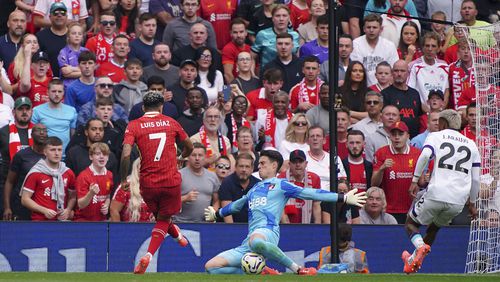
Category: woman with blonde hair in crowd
[68,56]
[16,67]
[296,134]
[128,206]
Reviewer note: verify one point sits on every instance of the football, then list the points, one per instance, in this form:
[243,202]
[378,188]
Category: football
[252,263]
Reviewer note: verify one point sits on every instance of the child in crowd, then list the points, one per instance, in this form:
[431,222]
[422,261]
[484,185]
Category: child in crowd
[383,73]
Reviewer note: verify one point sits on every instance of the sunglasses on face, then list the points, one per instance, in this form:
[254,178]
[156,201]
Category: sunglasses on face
[223,166]
[59,13]
[105,85]
[300,123]
[110,23]
[372,102]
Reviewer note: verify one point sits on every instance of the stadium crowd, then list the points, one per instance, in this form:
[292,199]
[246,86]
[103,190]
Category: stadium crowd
[239,76]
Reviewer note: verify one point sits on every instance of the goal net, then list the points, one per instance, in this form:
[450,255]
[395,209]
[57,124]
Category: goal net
[483,252]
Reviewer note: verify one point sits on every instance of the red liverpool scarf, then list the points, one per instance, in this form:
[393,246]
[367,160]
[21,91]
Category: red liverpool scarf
[244,123]
[206,142]
[15,141]
[270,126]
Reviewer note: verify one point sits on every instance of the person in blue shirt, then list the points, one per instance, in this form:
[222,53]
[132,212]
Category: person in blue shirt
[266,201]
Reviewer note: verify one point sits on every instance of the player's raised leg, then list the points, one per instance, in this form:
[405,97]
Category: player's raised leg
[261,243]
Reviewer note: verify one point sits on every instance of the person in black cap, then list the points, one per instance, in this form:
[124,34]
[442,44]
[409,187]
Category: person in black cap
[34,82]
[188,71]
[435,102]
[298,210]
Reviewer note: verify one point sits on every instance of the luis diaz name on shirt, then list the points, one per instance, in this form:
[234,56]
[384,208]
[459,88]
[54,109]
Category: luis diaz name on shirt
[159,123]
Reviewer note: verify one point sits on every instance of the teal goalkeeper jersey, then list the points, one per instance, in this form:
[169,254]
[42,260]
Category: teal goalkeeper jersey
[267,199]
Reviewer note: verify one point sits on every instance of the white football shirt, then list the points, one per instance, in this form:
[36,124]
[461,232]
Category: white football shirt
[454,156]
[424,77]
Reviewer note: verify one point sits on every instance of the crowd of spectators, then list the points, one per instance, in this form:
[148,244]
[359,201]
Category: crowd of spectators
[239,77]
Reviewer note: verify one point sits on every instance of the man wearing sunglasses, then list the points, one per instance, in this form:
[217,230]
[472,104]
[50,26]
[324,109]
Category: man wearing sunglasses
[103,88]
[43,8]
[374,103]
[53,37]
[101,43]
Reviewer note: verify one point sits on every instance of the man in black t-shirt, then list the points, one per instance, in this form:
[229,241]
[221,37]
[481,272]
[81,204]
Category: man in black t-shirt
[53,39]
[236,185]
[21,164]
[405,98]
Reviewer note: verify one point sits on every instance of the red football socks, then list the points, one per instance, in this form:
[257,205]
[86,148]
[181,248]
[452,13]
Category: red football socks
[158,235]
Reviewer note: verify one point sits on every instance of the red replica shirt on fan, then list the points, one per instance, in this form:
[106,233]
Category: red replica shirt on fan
[124,197]
[258,103]
[110,69]
[219,13]
[312,93]
[397,179]
[230,55]
[40,185]
[38,91]
[460,80]
[155,135]
[101,46]
[294,207]
[298,16]
[357,176]
[85,179]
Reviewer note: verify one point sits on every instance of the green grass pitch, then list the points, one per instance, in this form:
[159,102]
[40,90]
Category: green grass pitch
[188,276]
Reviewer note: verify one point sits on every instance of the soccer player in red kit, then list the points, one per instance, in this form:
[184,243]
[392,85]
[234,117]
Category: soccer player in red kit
[160,181]
[48,190]
[93,186]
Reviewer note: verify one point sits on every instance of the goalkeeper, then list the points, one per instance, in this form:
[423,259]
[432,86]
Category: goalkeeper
[266,201]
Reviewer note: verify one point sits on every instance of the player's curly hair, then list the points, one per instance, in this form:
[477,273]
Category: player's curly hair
[452,117]
[152,99]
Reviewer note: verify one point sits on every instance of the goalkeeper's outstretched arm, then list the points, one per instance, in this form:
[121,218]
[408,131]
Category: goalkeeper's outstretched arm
[350,197]
[234,207]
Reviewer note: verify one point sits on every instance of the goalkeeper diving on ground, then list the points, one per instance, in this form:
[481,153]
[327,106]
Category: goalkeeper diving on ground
[266,201]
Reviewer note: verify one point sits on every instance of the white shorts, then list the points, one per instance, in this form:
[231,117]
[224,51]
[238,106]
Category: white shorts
[427,211]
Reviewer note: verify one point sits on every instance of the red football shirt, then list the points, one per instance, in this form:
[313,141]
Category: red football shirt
[293,208]
[357,176]
[219,13]
[124,197]
[110,69]
[40,185]
[101,48]
[312,93]
[397,179]
[230,55]
[450,55]
[38,92]
[459,81]
[258,101]
[87,177]
[298,16]
[155,135]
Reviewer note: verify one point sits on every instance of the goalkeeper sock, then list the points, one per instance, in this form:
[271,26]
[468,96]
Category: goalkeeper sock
[225,270]
[158,235]
[271,251]
[417,240]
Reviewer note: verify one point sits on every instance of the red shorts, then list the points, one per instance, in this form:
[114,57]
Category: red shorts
[163,201]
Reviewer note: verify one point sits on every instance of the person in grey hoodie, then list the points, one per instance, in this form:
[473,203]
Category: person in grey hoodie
[130,91]
[380,138]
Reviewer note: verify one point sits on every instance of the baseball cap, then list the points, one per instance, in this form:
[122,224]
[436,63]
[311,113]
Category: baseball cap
[22,101]
[297,155]
[435,92]
[399,125]
[188,62]
[58,6]
[40,56]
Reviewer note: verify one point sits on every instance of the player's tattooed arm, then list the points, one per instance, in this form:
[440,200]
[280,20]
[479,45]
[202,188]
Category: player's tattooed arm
[125,165]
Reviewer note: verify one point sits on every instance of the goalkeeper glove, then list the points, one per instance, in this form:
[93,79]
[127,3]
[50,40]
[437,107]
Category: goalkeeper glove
[210,214]
[351,198]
